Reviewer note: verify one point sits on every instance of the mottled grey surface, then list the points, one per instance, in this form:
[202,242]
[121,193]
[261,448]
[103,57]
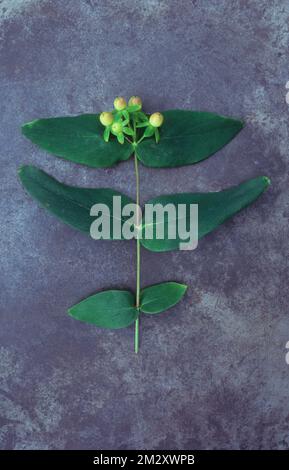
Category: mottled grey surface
[211,372]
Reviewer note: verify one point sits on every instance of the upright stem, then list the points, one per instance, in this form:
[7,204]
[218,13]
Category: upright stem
[136,334]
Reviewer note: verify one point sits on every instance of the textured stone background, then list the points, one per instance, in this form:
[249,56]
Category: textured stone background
[211,372]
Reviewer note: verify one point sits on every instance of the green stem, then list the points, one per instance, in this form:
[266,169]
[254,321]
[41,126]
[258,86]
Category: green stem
[136,331]
[136,335]
[140,140]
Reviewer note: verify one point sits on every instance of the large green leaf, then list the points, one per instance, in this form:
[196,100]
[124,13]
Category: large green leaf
[70,204]
[108,309]
[77,138]
[213,209]
[187,137]
[160,297]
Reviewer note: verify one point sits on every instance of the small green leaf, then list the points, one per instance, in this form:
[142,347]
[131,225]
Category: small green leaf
[118,115]
[133,108]
[69,203]
[160,297]
[78,139]
[120,138]
[157,135]
[188,137]
[108,309]
[150,130]
[143,124]
[213,209]
[140,116]
[106,134]
[128,131]
[125,114]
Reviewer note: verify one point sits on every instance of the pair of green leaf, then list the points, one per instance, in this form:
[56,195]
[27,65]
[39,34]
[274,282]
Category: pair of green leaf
[72,204]
[186,137]
[116,308]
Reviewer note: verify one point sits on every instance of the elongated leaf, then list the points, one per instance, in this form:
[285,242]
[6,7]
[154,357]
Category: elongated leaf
[108,309]
[78,139]
[70,204]
[213,209]
[187,137]
[160,297]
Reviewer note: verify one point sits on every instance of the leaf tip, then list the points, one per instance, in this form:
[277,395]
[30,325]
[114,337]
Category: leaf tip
[69,311]
[20,169]
[240,124]
[26,126]
[183,288]
[24,168]
[266,181]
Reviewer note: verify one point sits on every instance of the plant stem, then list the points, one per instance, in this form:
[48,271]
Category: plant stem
[136,335]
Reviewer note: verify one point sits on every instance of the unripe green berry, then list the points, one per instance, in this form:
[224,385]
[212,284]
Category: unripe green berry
[116,127]
[135,100]
[156,119]
[119,103]
[106,118]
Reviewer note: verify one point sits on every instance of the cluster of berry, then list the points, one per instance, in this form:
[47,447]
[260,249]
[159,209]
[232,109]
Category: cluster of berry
[125,119]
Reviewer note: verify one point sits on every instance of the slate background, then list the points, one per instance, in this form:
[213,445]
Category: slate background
[211,373]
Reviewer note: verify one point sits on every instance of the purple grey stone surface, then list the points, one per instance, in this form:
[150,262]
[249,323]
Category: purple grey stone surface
[211,372]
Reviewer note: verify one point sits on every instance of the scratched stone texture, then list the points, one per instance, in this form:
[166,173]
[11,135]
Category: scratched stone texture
[211,372]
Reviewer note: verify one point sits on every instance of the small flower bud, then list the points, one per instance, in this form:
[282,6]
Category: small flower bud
[116,127]
[135,100]
[106,118]
[156,119]
[119,103]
